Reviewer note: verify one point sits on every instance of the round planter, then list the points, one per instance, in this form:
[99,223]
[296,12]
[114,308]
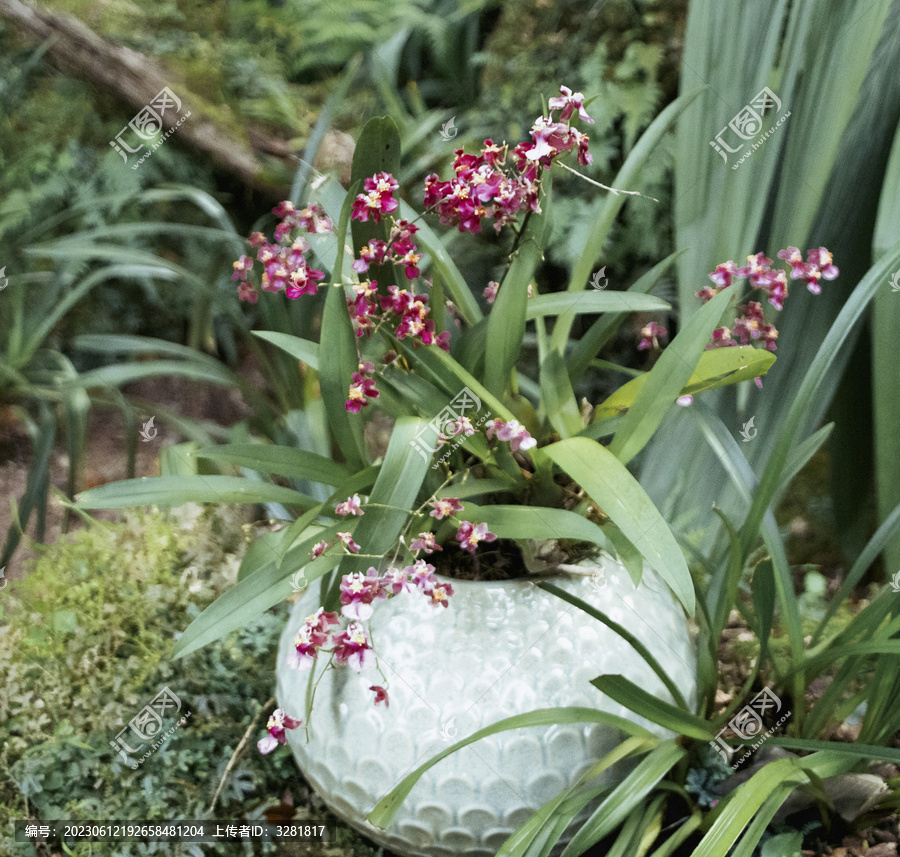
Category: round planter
[499,649]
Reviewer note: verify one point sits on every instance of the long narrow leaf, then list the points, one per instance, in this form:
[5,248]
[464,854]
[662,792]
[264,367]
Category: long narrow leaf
[847,319]
[506,324]
[593,302]
[665,381]
[625,797]
[450,275]
[279,460]
[599,333]
[339,360]
[255,593]
[396,489]
[177,490]
[636,699]
[742,805]
[617,492]
[305,351]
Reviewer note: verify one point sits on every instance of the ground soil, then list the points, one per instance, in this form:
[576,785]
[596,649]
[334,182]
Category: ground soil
[106,457]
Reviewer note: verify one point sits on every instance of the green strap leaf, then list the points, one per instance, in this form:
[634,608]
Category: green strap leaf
[783,845]
[872,647]
[843,326]
[739,808]
[610,206]
[717,368]
[609,484]
[764,605]
[339,360]
[558,397]
[476,487]
[593,302]
[666,379]
[617,806]
[257,592]
[601,331]
[377,150]
[35,497]
[398,483]
[626,635]
[869,554]
[636,699]
[360,482]
[855,750]
[534,522]
[305,351]
[506,324]
[337,272]
[628,554]
[427,240]
[453,371]
[126,373]
[285,461]
[178,490]
[518,843]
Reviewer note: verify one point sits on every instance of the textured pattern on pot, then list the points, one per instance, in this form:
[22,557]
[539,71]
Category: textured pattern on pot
[500,649]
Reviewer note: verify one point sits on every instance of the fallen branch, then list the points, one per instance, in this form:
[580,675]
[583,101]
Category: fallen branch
[136,79]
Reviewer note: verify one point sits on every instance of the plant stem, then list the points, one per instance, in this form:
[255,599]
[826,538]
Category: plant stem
[234,756]
[614,190]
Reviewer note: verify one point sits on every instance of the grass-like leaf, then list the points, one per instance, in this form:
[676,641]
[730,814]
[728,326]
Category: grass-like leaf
[716,368]
[593,302]
[679,720]
[535,522]
[506,323]
[600,332]
[285,461]
[616,807]
[396,489]
[665,381]
[339,360]
[618,493]
[177,490]
[257,592]
[305,351]
[743,804]
[558,397]
[609,207]
[626,635]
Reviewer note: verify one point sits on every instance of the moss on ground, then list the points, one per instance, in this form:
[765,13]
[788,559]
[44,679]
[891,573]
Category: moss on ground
[86,641]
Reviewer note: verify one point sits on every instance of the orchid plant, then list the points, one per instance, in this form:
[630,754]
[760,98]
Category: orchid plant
[403,334]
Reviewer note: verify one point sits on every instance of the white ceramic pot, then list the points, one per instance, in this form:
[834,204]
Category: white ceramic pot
[500,649]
